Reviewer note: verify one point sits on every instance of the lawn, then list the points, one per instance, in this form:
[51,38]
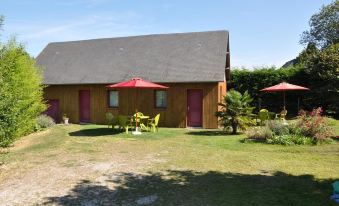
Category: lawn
[88,165]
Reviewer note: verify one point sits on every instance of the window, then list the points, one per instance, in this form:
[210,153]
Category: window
[113,98]
[160,99]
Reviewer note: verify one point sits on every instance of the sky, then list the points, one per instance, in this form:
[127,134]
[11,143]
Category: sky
[262,32]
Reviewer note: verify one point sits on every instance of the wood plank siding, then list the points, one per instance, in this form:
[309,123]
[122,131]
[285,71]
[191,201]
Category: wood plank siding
[172,116]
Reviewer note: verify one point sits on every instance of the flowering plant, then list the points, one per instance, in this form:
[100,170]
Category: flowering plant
[314,125]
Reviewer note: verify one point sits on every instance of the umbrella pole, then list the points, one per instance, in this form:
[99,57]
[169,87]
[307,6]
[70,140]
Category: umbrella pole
[136,132]
[136,111]
[284,102]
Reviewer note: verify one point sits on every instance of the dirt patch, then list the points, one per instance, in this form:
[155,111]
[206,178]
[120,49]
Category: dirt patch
[55,179]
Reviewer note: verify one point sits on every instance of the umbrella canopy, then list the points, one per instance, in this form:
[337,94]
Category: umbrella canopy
[137,83]
[283,86]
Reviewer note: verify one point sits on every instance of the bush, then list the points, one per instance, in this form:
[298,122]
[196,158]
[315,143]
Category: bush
[289,140]
[236,111]
[43,122]
[21,99]
[314,125]
[259,133]
[278,128]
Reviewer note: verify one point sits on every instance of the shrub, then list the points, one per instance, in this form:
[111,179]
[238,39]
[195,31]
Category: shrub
[21,98]
[43,122]
[289,140]
[236,111]
[278,128]
[314,125]
[259,133]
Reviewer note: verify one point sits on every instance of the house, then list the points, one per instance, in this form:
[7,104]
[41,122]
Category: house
[195,67]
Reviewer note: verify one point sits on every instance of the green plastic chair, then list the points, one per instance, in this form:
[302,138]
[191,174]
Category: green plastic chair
[263,115]
[124,123]
[335,187]
[109,119]
[153,123]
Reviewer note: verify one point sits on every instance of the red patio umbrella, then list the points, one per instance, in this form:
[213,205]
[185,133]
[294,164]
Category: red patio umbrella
[137,83]
[283,87]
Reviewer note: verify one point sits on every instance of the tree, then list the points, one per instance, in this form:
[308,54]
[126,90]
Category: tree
[236,111]
[21,92]
[322,71]
[324,27]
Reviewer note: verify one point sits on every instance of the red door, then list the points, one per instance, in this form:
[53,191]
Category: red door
[53,109]
[194,108]
[84,105]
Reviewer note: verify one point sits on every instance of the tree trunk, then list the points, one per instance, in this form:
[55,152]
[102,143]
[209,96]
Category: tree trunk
[234,128]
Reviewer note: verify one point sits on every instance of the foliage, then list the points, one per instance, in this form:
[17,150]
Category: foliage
[21,92]
[319,72]
[289,140]
[254,80]
[43,122]
[324,26]
[308,129]
[322,68]
[259,133]
[278,127]
[314,125]
[236,111]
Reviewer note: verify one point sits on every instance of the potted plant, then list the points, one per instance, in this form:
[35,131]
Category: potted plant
[65,119]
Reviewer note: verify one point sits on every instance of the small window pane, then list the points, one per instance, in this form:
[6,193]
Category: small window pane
[160,99]
[113,98]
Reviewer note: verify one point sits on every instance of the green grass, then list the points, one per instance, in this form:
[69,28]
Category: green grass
[195,167]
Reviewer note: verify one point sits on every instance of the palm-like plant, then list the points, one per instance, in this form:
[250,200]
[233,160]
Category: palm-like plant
[236,111]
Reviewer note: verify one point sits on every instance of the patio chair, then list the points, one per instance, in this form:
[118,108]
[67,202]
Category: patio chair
[283,114]
[124,123]
[110,119]
[263,116]
[153,123]
[143,127]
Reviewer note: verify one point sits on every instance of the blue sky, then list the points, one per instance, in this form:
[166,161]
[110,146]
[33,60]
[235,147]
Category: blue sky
[262,32]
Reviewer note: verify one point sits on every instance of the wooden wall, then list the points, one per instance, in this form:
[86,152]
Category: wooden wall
[173,116]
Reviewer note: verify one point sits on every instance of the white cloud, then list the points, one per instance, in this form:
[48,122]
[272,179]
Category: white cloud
[38,35]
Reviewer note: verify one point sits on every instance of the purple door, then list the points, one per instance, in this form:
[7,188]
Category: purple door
[194,108]
[84,105]
[53,109]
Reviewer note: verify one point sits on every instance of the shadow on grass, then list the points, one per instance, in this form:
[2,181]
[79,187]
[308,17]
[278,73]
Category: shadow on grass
[94,132]
[199,188]
[208,133]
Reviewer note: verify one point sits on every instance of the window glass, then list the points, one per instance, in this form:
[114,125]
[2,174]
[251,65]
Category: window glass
[113,99]
[160,99]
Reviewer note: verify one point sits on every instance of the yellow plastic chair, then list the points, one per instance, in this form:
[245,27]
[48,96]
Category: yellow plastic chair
[283,114]
[153,123]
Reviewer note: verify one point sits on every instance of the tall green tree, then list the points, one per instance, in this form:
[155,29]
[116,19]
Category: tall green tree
[236,111]
[324,27]
[322,71]
[21,92]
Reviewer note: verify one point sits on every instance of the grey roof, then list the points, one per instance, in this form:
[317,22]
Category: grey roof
[182,57]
